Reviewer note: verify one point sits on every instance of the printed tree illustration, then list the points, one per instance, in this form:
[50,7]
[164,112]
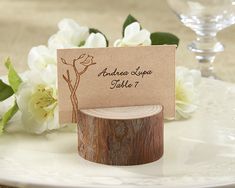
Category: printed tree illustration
[85,61]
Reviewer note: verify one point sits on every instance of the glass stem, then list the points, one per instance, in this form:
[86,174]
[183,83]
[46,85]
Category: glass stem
[205,48]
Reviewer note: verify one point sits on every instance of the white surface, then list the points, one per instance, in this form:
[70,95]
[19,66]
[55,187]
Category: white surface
[199,152]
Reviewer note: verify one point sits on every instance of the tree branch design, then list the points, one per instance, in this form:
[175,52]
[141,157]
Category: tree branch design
[86,61]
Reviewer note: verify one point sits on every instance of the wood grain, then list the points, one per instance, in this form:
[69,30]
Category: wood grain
[120,141]
[19,33]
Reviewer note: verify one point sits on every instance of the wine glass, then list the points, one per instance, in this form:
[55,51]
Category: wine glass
[205,18]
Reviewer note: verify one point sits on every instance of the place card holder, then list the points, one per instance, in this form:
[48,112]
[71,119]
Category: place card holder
[121,136]
[93,78]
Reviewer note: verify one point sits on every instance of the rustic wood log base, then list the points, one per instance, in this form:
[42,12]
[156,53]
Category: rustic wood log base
[121,136]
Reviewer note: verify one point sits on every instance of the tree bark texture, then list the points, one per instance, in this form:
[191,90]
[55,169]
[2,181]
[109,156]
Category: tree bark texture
[121,141]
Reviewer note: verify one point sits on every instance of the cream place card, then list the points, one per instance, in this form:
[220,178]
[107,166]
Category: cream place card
[115,77]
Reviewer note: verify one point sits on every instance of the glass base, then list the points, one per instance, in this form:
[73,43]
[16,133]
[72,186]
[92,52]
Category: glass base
[207,70]
[205,50]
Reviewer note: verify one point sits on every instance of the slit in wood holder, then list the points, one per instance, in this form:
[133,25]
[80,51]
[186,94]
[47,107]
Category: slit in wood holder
[121,136]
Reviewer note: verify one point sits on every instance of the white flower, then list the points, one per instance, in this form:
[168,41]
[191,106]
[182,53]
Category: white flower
[95,40]
[37,96]
[43,60]
[39,57]
[186,91]
[72,35]
[134,36]
[37,101]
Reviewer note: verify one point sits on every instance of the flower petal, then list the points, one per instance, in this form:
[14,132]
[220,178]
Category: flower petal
[95,40]
[131,29]
[139,38]
[196,74]
[31,124]
[67,39]
[134,36]
[39,57]
[186,92]
[49,74]
[118,43]
[54,124]
[23,95]
[68,24]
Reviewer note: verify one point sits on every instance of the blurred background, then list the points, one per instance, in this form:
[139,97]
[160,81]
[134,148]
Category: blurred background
[28,23]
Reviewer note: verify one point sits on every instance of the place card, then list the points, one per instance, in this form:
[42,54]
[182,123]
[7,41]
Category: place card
[115,77]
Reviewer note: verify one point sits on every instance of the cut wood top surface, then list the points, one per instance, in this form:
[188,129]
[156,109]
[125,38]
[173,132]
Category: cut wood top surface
[132,112]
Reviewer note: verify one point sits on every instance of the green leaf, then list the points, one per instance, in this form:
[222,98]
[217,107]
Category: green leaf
[93,30]
[7,116]
[160,38]
[5,91]
[129,20]
[13,77]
